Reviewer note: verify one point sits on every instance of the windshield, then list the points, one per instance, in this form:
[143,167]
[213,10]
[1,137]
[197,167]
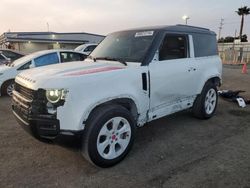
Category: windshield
[20,61]
[11,55]
[127,46]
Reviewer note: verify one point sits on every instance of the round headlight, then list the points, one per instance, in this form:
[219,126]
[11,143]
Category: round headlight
[55,95]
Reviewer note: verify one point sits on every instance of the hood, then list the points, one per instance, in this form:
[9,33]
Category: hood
[4,68]
[65,70]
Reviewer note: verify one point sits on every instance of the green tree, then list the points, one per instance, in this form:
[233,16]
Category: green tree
[243,11]
[227,39]
[244,38]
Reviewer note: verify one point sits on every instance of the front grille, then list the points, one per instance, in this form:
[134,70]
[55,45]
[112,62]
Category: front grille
[25,92]
[28,103]
[30,108]
[22,101]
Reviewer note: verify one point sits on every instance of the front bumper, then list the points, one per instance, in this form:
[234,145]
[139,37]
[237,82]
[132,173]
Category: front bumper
[38,127]
[30,112]
[31,115]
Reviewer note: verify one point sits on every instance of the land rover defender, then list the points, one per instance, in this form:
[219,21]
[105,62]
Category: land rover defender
[131,78]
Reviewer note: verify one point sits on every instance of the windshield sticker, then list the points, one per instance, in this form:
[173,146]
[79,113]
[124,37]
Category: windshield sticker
[144,33]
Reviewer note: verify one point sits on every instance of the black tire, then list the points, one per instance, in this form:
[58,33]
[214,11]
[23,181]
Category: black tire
[199,107]
[94,125]
[5,87]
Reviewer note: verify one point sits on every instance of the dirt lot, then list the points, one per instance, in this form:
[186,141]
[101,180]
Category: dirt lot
[176,151]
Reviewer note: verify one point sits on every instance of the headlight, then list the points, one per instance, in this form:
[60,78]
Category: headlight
[56,95]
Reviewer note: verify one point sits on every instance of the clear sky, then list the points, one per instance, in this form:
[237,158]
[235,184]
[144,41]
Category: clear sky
[105,16]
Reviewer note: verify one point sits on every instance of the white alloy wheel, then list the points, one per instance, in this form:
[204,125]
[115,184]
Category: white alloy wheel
[114,138]
[210,101]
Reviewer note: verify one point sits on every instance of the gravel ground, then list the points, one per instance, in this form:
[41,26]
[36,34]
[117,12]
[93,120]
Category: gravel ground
[175,151]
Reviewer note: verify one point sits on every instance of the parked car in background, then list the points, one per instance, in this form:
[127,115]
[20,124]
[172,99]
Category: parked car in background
[11,54]
[4,59]
[9,71]
[86,48]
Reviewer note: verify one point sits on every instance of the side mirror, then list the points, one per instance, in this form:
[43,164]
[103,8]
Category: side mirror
[8,59]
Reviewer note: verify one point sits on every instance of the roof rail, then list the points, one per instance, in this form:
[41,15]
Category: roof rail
[193,27]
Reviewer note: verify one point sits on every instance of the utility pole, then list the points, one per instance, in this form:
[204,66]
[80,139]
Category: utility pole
[235,34]
[47,26]
[234,51]
[220,27]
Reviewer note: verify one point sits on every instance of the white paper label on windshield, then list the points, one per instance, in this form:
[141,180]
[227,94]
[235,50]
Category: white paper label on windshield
[144,33]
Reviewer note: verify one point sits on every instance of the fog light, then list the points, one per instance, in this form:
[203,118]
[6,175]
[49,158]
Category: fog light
[51,109]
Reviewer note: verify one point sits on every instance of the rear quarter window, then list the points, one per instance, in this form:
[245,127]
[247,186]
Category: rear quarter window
[205,45]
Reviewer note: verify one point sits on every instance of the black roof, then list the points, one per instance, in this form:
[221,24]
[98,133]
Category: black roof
[179,28]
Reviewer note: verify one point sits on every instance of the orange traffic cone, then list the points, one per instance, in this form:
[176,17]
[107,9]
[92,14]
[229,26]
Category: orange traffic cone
[244,68]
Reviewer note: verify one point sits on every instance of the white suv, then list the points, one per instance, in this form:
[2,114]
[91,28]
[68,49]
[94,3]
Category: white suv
[131,78]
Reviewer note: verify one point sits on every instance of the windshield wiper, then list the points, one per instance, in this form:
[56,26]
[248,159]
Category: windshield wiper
[110,59]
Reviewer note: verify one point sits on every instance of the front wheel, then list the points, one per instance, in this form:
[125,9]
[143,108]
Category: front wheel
[8,87]
[108,136]
[206,103]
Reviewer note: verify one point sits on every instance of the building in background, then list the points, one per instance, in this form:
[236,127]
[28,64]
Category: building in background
[28,42]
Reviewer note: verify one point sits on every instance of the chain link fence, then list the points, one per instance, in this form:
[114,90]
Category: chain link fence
[233,53]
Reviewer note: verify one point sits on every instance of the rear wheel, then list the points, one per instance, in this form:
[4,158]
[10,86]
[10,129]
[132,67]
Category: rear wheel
[108,136]
[206,103]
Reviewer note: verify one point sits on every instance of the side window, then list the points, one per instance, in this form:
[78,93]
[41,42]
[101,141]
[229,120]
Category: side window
[90,48]
[1,57]
[46,60]
[71,56]
[205,45]
[25,66]
[173,47]
[86,49]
